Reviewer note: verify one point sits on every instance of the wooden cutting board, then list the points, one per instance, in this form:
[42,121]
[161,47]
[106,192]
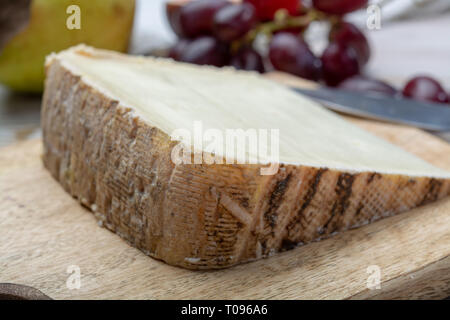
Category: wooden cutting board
[44,233]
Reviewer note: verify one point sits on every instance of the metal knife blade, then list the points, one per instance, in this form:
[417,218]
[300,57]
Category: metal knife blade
[430,116]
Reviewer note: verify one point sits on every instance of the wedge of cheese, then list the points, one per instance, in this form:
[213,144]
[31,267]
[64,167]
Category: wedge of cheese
[107,120]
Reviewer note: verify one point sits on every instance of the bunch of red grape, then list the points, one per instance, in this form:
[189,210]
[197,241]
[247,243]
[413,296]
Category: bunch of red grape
[224,32]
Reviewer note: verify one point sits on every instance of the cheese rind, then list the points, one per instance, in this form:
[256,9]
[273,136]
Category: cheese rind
[112,151]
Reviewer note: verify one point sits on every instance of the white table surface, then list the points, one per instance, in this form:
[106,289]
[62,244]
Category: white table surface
[400,50]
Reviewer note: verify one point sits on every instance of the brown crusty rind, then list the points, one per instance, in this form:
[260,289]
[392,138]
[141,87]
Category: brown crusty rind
[201,216]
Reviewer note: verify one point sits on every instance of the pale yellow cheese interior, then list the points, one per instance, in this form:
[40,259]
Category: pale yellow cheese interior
[172,95]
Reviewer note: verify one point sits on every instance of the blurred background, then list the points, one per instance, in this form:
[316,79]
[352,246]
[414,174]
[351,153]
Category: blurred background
[413,39]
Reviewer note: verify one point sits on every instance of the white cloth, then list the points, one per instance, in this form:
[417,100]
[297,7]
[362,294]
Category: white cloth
[395,9]
[151,28]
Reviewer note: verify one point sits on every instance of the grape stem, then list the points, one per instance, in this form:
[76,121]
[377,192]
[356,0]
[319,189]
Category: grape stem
[282,20]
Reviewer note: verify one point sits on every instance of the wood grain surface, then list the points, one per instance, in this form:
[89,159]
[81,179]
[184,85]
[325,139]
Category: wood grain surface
[43,231]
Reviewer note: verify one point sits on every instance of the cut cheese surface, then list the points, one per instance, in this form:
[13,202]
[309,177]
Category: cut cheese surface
[170,96]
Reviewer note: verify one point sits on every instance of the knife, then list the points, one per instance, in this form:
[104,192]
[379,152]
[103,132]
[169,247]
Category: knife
[426,115]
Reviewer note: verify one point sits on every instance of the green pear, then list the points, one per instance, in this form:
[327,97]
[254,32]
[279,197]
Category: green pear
[54,26]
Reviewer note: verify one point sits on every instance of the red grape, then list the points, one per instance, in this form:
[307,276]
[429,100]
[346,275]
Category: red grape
[291,54]
[425,89]
[177,50]
[364,84]
[266,9]
[196,17]
[173,16]
[233,21]
[205,50]
[248,59]
[349,35]
[339,6]
[339,62]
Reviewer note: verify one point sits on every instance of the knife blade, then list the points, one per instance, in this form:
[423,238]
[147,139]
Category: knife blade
[425,115]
